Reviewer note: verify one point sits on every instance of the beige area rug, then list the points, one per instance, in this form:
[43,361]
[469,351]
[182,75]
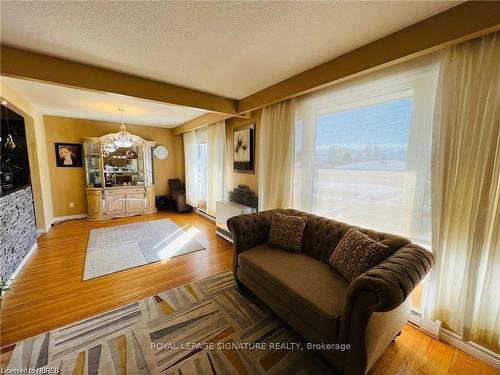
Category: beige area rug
[121,247]
[206,327]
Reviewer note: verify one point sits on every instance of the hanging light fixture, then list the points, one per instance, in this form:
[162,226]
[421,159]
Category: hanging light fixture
[123,138]
[9,143]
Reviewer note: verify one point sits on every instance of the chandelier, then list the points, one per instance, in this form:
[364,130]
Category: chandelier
[123,138]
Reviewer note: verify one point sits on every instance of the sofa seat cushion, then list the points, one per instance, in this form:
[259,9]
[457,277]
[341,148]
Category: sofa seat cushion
[311,288]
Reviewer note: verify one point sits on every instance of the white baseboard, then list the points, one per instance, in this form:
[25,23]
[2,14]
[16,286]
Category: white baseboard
[435,330]
[204,214]
[220,233]
[60,219]
[471,348]
[21,265]
[39,231]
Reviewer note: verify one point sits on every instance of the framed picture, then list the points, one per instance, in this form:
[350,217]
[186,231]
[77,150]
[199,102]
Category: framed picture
[69,155]
[244,149]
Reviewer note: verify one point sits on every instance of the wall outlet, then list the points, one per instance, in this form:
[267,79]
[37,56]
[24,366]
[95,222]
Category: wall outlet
[71,204]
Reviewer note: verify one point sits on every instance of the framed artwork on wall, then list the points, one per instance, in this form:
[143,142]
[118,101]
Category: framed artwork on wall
[69,155]
[244,149]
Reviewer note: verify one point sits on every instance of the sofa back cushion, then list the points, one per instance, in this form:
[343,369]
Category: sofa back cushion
[322,235]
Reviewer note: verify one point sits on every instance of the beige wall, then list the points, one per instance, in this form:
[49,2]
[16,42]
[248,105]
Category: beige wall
[68,184]
[37,153]
[233,179]
[416,297]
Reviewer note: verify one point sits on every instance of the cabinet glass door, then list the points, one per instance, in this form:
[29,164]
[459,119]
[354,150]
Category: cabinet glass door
[123,166]
[92,165]
[148,166]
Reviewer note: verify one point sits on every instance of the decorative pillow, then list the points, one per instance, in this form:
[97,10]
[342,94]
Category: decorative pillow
[356,253]
[286,232]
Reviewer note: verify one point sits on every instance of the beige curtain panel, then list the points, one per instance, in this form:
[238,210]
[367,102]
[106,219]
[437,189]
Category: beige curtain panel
[276,140]
[464,291]
[191,167]
[216,143]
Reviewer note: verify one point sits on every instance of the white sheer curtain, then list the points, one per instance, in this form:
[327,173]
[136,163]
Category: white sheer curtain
[276,155]
[216,141]
[191,168]
[202,165]
[464,290]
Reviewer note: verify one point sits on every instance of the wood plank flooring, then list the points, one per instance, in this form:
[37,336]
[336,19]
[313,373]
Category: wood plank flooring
[49,293]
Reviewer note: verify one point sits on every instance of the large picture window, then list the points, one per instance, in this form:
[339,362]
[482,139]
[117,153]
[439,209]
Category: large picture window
[363,151]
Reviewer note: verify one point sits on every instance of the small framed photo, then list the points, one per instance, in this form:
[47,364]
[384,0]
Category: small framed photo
[244,149]
[69,155]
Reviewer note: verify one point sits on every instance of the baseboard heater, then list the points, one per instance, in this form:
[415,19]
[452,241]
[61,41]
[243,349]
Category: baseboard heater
[431,327]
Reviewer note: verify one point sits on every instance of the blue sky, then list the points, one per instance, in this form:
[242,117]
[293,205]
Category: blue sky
[384,123]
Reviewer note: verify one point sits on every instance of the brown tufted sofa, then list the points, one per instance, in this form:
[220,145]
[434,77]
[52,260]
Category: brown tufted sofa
[306,292]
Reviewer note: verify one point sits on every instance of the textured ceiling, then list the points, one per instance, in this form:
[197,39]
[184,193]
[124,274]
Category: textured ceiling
[67,102]
[228,48]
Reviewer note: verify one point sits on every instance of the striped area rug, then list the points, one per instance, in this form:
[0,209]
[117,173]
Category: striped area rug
[206,327]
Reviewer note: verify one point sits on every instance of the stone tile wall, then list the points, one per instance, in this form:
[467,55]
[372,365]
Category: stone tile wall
[18,229]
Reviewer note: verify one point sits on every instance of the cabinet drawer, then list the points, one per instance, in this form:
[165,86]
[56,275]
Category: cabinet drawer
[124,191]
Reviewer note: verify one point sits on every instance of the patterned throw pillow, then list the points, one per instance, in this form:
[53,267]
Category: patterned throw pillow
[356,253]
[286,232]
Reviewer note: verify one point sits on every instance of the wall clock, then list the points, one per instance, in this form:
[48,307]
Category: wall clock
[160,152]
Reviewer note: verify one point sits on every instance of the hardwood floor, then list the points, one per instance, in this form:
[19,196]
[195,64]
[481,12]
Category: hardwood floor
[49,293]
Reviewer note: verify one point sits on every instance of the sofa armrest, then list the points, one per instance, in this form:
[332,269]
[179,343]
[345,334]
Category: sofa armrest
[248,231]
[380,289]
[393,279]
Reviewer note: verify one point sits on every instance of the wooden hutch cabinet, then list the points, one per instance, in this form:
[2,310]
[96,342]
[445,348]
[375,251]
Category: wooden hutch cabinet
[119,180]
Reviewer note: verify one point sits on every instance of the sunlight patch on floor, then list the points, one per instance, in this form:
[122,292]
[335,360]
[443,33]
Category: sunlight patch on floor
[176,245]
